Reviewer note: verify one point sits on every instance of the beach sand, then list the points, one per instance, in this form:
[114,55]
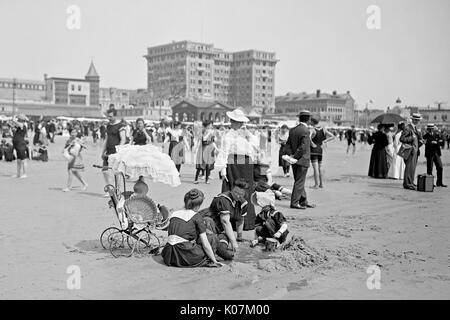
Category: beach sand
[358,222]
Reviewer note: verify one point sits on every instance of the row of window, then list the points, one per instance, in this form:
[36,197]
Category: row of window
[22,86]
[435,117]
[201,82]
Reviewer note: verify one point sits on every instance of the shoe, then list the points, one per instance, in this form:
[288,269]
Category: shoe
[297,206]
[84,188]
[207,182]
[254,243]
[409,188]
[308,205]
[66,190]
[195,182]
[24,176]
[442,185]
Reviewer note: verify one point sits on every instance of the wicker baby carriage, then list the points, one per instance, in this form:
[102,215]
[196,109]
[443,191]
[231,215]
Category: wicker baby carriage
[137,217]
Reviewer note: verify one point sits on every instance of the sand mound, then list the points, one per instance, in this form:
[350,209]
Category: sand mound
[293,255]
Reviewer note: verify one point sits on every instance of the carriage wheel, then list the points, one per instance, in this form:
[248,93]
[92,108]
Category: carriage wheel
[143,241]
[117,245]
[105,237]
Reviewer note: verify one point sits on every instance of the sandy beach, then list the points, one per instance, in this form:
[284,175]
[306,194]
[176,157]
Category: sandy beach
[358,222]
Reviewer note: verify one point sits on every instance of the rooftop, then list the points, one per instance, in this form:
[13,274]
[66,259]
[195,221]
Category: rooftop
[312,96]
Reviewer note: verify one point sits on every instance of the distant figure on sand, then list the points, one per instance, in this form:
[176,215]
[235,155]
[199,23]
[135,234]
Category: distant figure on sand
[397,168]
[378,167]
[412,137]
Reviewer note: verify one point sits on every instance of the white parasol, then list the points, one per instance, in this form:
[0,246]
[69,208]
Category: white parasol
[148,161]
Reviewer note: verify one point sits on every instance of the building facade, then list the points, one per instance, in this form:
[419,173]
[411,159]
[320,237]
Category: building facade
[438,116]
[52,97]
[22,90]
[332,108]
[69,91]
[193,110]
[199,71]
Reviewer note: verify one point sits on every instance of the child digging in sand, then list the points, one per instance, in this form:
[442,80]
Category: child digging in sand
[269,223]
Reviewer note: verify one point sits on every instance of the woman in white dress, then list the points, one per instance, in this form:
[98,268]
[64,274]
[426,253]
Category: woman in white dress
[397,168]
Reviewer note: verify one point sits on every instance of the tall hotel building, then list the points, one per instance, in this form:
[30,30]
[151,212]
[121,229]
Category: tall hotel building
[198,71]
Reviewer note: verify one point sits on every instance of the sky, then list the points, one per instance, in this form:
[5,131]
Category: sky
[320,44]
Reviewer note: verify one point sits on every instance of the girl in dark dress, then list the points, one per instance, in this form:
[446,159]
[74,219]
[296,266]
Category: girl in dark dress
[20,145]
[378,167]
[188,245]
[205,157]
[139,136]
[320,136]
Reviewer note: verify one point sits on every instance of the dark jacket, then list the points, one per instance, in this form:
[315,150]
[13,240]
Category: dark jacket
[412,137]
[299,145]
[432,149]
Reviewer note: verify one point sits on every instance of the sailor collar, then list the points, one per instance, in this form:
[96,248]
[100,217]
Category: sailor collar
[184,214]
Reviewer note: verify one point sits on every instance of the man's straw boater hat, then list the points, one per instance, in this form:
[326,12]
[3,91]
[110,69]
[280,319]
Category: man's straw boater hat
[430,126]
[416,116]
[237,115]
[304,113]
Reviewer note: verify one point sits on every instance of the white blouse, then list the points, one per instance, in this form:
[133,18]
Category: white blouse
[240,142]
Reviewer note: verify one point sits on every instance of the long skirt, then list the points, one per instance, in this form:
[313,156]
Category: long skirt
[205,157]
[176,152]
[188,254]
[241,167]
[378,167]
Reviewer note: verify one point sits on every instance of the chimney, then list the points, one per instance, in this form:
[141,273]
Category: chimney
[318,93]
[334,92]
[348,92]
[439,106]
[45,76]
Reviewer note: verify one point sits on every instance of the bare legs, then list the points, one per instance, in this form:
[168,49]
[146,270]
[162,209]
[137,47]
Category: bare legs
[21,168]
[74,173]
[317,167]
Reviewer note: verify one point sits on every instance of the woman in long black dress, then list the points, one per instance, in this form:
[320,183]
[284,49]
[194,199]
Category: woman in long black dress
[188,245]
[378,167]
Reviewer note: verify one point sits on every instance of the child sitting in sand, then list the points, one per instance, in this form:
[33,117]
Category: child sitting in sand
[269,223]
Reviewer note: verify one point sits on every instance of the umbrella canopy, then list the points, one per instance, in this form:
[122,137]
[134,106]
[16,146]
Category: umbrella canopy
[386,118]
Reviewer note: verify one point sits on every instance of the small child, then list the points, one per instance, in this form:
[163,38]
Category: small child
[269,223]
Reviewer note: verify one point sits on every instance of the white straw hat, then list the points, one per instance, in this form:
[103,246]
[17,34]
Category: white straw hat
[237,115]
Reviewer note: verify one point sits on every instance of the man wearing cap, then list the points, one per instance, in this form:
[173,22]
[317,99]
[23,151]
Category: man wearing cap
[411,136]
[433,142]
[235,161]
[298,146]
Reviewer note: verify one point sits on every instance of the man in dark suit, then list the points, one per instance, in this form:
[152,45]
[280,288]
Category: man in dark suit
[433,154]
[411,136]
[298,146]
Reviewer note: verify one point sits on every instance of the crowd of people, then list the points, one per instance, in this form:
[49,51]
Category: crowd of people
[242,157]
[396,149]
